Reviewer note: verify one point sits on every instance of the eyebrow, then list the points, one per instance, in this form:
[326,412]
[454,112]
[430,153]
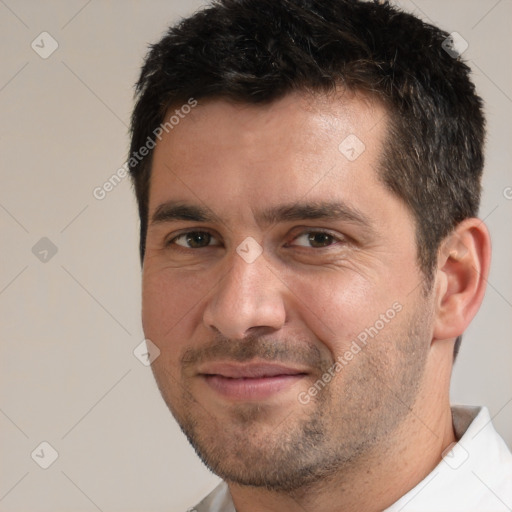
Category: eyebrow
[315,210]
[324,210]
[173,210]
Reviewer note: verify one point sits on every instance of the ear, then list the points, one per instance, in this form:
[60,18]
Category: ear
[462,269]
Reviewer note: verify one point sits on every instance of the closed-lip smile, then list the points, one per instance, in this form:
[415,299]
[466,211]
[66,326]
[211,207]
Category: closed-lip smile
[249,381]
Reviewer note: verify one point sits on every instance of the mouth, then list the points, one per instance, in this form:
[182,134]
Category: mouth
[253,381]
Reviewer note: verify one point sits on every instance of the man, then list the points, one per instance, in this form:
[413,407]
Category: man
[308,178]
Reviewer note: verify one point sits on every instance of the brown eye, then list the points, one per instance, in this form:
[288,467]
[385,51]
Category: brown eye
[315,239]
[194,240]
[320,239]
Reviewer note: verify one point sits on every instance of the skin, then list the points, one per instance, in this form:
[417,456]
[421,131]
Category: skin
[382,422]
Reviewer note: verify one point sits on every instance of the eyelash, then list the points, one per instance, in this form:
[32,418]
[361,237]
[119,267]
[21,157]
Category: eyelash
[336,239]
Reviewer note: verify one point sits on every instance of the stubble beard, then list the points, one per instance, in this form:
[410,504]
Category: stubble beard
[343,426]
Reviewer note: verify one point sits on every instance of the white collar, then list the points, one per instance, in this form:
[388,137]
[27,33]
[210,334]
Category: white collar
[474,475]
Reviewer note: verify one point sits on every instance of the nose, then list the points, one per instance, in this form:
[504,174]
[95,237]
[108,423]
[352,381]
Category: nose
[249,298]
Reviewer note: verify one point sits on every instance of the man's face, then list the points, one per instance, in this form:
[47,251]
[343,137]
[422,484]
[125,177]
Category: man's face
[281,286]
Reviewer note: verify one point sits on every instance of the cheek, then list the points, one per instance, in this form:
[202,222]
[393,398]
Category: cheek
[170,306]
[332,303]
[338,306]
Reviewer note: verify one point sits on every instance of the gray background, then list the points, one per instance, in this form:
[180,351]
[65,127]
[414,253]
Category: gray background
[71,322]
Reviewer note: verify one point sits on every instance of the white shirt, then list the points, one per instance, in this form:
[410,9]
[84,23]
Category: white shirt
[474,475]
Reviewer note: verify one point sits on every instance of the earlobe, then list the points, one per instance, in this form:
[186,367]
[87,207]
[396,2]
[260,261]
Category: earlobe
[462,269]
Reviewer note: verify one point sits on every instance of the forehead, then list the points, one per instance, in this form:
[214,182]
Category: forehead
[301,145]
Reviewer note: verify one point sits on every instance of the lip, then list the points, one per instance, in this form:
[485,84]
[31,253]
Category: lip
[254,381]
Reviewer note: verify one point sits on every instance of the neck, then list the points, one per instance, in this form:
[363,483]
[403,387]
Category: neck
[393,468]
